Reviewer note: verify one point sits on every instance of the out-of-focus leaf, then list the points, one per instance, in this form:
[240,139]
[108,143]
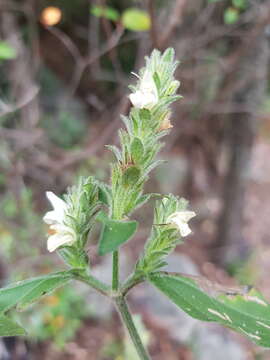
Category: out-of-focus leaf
[114,233]
[106,12]
[241,309]
[7,52]
[136,20]
[231,15]
[9,327]
[23,293]
[240,4]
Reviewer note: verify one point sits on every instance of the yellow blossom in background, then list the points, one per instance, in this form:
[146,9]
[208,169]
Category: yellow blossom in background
[51,16]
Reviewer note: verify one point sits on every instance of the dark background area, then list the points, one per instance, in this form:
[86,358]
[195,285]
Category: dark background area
[65,67]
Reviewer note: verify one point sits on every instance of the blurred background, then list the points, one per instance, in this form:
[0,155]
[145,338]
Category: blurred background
[65,67]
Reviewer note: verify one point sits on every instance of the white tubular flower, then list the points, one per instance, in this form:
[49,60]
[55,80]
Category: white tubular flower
[146,96]
[59,233]
[180,219]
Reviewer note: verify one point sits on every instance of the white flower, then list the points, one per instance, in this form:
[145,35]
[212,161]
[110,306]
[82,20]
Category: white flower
[59,233]
[180,220]
[146,96]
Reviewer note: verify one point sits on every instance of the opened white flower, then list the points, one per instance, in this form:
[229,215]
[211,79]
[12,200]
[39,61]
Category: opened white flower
[146,96]
[180,220]
[59,233]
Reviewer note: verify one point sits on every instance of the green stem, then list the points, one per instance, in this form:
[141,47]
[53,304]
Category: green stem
[115,273]
[93,282]
[126,317]
[132,281]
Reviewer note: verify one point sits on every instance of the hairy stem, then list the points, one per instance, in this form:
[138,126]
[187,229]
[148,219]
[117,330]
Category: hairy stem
[93,282]
[115,273]
[126,317]
[133,280]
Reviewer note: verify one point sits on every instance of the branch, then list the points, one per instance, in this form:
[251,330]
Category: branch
[153,30]
[175,20]
[28,98]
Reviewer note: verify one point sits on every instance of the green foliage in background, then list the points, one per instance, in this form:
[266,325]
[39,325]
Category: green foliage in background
[57,317]
[233,12]
[136,20]
[133,19]
[64,129]
[106,12]
[7,52]
[231,15]
[16,225]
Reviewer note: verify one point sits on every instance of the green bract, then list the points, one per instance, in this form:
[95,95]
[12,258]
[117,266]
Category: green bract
[164,237]
[83,202]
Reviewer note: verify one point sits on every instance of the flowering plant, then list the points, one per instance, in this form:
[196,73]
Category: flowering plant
[71,221]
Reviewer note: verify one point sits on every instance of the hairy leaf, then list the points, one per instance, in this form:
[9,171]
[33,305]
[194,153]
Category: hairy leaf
[114,233]
[23,293]
[242,309]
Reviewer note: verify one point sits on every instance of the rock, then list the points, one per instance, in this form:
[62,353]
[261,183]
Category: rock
[211,342]
[98,305]
[161,310]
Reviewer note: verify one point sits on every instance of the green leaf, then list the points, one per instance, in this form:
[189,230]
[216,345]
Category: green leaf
[7,52]
[240,4]
[241,309]
[136,20]
[23,293]
[106,12]
[9,327]
[131,176]
[114,233]
[231,15]
[137,150]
